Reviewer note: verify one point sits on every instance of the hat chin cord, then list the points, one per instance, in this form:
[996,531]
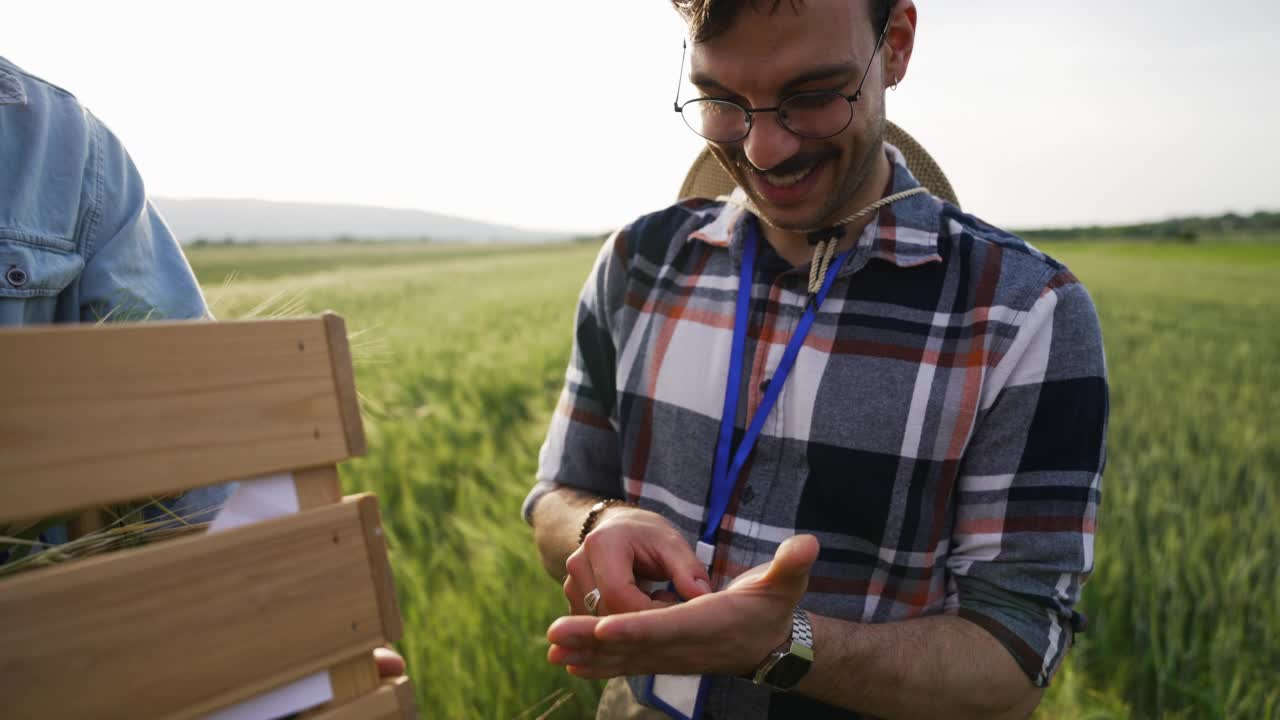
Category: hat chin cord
[824,240]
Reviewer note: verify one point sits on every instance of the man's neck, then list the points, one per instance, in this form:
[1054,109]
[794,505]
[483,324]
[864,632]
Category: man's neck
[794,247]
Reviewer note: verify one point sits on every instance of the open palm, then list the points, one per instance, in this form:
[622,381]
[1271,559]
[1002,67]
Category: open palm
[726,633]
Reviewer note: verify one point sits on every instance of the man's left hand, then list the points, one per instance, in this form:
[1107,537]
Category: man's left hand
[722,633]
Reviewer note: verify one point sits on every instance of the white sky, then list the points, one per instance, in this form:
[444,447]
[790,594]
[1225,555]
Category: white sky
[556,115]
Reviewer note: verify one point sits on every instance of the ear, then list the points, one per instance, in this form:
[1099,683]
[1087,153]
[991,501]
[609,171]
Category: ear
[899,41]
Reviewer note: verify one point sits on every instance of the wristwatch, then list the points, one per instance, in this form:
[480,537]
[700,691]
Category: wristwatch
[792,659]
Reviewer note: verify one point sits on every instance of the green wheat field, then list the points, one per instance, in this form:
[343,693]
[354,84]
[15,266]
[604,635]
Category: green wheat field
[459,355]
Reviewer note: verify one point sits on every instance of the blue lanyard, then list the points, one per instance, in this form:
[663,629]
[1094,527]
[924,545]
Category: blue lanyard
[724,476]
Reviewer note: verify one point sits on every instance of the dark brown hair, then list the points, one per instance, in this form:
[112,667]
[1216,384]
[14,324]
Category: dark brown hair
[709,18]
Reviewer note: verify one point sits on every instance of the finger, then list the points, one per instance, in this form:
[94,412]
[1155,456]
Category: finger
[612,567]
[577,563]
[610,663]
[576,597]
[662,598]
[686,571]
[667,555]
[389,662]
[574,631]
[663,626]
[561,655]
[599,669]
[578,567]
[792,562]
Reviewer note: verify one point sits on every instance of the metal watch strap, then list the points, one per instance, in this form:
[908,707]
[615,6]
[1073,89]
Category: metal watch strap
[797,650]
[594,513]
[802,629]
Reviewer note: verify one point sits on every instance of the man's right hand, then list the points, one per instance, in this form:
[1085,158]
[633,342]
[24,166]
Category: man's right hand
[626,545]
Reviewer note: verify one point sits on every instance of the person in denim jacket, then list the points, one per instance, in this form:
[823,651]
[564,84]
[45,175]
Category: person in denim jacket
[79,240]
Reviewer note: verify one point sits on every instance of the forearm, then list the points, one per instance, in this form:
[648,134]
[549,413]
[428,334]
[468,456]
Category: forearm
[941,666]
[557,521]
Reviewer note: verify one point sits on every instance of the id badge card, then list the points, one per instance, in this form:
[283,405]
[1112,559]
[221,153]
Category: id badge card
[680,696]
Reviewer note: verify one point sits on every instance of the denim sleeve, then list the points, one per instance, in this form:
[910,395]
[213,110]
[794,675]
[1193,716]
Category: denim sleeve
[134,269]
[74,216]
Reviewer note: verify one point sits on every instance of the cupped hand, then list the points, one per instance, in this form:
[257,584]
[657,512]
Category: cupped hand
[724,633]
[629,544]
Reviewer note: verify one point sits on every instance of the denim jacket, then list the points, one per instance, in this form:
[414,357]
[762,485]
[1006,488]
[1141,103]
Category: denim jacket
[79,241]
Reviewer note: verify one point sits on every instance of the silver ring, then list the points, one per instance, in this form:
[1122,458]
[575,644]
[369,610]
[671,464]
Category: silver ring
[592,600]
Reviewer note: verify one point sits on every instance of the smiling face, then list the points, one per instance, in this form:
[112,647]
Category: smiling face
[760,60]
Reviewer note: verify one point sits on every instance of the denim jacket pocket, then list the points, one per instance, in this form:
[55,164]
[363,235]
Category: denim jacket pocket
[34,270]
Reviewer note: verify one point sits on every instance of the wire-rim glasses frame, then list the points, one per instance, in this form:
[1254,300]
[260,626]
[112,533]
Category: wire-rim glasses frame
[701,104]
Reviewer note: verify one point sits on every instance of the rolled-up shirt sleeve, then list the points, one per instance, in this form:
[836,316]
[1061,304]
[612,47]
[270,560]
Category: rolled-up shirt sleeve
[581,449]
[1030,484]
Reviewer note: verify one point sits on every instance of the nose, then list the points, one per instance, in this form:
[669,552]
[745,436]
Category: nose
[769,143]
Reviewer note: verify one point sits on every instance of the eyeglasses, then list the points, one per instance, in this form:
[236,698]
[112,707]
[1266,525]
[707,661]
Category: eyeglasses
[812,115]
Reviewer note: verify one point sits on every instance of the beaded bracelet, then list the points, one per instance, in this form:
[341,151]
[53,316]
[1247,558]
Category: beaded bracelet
[594,513]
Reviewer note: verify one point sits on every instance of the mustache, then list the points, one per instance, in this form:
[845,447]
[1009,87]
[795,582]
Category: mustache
[795,163]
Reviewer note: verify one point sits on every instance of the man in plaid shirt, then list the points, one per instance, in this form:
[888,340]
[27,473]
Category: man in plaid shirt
[924,487]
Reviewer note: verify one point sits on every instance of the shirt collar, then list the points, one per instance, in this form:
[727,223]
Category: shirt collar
[904,233]
[11,90]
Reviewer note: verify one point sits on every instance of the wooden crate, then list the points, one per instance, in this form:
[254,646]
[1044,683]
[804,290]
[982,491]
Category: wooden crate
[184,627]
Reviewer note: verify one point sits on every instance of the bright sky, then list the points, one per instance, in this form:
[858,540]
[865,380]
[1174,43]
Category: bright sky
[556,115]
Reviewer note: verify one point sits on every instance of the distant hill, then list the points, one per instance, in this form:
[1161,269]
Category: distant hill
[1183,229]
[216,220]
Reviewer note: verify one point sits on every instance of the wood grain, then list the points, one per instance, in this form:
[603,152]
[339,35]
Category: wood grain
[317,487]
[92,415]
[344,382]
[355,676]
[392,701]
[191,625]
[405,699]
[88,521]
[375,541]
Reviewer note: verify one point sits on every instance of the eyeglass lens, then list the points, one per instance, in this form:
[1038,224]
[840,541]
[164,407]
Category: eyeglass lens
[811,115]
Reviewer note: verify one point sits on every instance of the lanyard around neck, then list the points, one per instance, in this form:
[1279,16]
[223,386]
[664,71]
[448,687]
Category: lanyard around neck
[724,475]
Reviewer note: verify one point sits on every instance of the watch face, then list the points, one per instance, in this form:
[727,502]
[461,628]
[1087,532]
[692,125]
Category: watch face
[787,671]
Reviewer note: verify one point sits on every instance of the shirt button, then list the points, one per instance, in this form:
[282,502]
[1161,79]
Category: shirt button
[748,493]
[16,276]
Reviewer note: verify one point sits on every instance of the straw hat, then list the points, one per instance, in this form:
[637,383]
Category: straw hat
[707,179]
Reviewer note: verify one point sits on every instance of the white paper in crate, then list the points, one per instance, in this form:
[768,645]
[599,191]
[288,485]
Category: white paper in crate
[256,500]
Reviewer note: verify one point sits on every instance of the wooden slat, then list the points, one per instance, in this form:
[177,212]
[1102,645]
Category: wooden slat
[405,699]
[392,701]
[92,415]
[384,585]
[355,676]
[317,487]
[344,382]
[182,628]
[88,521]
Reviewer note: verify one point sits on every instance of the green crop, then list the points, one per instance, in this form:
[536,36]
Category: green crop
[460,354]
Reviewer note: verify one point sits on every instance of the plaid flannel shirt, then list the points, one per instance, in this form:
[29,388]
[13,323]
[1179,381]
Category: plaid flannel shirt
[942,432]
